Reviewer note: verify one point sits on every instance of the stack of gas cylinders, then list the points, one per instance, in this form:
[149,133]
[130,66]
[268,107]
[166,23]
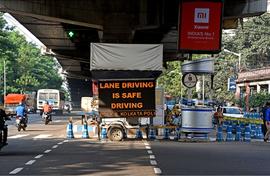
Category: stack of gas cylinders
[250,127]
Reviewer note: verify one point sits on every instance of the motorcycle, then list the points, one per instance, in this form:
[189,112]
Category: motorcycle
[47,117]
[21,123]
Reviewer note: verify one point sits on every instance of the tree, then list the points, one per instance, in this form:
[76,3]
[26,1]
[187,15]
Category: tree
[27,69]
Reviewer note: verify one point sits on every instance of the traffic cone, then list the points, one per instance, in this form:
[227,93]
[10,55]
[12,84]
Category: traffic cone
[229,136]
[238,133]
[166,133]
[103,133]
[219,134]
[139,134]
[70,134]
[152,134]
[247,137]
[85,134]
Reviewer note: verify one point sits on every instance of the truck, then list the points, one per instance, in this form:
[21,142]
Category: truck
[126,75]
[12,101]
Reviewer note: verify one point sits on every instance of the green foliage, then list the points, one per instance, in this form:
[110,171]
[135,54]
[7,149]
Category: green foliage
[26,68]
[259,99]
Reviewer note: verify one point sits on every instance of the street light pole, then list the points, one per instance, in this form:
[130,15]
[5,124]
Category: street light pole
[236,54]
[5,86]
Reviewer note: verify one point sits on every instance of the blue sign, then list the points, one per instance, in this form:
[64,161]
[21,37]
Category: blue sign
[232,84]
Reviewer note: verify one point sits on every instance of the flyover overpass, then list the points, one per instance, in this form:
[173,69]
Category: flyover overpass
[68,27]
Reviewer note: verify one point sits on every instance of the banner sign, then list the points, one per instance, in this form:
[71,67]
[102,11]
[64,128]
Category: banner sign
[200,26]
[126,98]
[232,84]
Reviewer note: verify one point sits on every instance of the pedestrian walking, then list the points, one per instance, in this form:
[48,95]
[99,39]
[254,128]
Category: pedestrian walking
[267,121]
[218,115]
[263,117]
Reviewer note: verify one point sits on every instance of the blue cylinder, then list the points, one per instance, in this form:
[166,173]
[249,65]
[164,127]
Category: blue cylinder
[85,134]
[229,136]
[219,134]
[103,133]
[152,134]
[166,133]
[238,133]
[253,131]
[177,134]
[70,134]
[247,137]
[139,134]
[259,133]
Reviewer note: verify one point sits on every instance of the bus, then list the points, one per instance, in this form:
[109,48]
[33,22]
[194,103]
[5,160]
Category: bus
[55,98]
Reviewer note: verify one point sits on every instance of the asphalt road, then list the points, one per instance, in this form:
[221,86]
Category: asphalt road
[44,150]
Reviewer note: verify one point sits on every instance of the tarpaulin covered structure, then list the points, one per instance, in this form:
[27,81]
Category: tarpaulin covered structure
[118,61]
[15,98]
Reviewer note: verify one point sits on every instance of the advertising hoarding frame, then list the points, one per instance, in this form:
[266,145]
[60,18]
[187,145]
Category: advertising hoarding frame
[180,30]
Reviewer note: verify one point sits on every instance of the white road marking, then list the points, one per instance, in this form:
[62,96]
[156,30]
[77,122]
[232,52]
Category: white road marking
[18,136]
[147,147]
[65,141]
[57,121]
[15,171]
[149,151]
[30,162]
[152,156]
[60,143]
[153,162]
[146,143]
[55,146]
[47,151]
[38,156]
[157,170]
[42,136]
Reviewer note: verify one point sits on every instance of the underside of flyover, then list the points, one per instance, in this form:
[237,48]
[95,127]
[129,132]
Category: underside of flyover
[117,21]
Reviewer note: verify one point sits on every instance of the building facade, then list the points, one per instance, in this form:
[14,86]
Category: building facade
[253,81]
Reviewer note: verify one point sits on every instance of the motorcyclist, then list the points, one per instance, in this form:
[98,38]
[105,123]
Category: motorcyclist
[47,108]
[21,112]
[3,128]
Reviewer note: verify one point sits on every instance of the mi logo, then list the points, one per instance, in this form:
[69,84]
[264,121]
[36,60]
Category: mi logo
[201,15]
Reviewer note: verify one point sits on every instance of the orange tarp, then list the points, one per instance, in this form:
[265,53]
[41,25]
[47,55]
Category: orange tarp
[15,98]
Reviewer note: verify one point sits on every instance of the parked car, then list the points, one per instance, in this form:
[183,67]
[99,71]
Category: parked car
[232,111]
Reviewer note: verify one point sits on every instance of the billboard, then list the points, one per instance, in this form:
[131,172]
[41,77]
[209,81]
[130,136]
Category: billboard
[200,26]
[122,98]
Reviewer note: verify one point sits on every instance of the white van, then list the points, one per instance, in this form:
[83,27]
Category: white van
[232,111]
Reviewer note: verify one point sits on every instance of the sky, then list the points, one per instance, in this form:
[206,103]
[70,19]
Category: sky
[22,30]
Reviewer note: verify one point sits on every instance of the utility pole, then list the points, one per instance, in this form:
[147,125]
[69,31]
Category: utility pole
[236,54]
[5,85]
